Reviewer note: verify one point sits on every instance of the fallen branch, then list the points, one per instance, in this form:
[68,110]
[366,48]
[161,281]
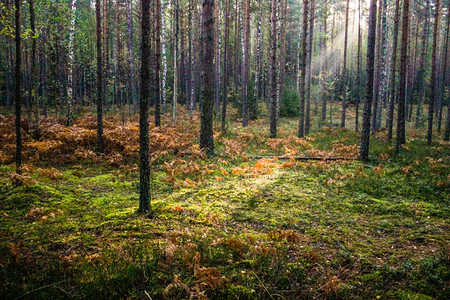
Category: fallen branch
[40,288]
[303,158]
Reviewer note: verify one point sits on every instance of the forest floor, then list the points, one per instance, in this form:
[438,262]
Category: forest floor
[226,227]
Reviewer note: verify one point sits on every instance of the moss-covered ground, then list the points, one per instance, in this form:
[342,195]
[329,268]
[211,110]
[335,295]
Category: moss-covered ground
[230,226]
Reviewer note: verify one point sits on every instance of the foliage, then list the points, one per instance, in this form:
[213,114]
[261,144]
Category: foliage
[225,227]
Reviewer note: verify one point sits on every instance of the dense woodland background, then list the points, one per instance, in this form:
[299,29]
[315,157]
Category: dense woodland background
[273,149]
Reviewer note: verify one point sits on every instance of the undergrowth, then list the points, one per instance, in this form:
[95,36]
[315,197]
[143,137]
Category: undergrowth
[226,227]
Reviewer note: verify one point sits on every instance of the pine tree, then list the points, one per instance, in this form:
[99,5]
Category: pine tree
[365,132]
[207,77]
[144,178]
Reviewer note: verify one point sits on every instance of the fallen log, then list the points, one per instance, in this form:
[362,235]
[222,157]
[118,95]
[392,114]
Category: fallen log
[302,158]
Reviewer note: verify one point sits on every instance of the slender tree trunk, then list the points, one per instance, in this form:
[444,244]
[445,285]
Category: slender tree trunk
[446,79]
[383,67]
[225,66]
[106,70]
[390,118]
[433,82]
[302,88]
[207,76]
[144,178]
[420,80]
[17,91]
[344,69]
[100,142]
[444,72]
[365,132]
[258,66]
[282,54]
[402,89]
[245,71]
[175,66]
[325,55]
[157,63]
[392,91]
[358,71]
[116,54]
[132,78]
[34,75]
[217,59]
[378,65]
[69,117]
[164,60]
[309,68]
[273,75]
[237,40]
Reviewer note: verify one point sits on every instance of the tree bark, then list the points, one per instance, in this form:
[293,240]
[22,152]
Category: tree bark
[17,90]
[365,132]
[164,60]
[175,66]
[325,55]
[100,142]
[309,67]
[402,89]
[207,76]
[390,118]
[132,78]
[225,65]
[358,71]
[433,82]
[157,63]
[34,75]
[245,71]
[144,178]
[420,80]
[344,69]
[302,87]
[217,60]
[273,75]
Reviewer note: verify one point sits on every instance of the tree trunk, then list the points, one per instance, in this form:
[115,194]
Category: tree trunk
[365,132]
[420,80]
[282,55]
[309,68]
[164,60]
[302,87]
[402,89]
[245,71]
[446,79]
[144,179]
[358,71]
[379,66]
[273,75]
[69,117]
[100,142]
[157,63]
[225,65]
[207,76]
[444,75]
[325,68]
[34,75]
[132,78]
[175,66]
[17,91]
[433,82]
[344,69]
[217,60]
[390,118]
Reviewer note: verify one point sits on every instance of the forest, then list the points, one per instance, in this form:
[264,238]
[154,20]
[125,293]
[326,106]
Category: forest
[224,149]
